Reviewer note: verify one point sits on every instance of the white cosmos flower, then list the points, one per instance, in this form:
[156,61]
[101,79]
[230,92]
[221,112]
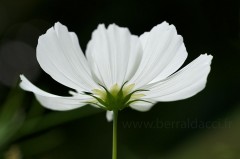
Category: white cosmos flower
[120,69]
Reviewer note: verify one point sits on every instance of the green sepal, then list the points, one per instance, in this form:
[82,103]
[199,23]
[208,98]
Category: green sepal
[116,98]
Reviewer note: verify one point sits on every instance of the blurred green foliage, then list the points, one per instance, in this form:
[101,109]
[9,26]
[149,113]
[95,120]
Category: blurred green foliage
[17,123]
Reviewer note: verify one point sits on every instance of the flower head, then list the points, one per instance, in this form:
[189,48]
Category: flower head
[120,69]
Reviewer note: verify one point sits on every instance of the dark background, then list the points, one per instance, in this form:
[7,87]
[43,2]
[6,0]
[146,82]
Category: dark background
[29,131]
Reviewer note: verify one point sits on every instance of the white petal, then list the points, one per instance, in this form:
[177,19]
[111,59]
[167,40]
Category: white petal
[185,83]
[163,53]
[114,54]
[109,116]
[51,101]
[141,106]
[59,55]
[176,62]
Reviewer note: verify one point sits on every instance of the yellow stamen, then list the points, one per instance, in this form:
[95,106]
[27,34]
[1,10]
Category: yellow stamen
[114,89]
[100,93]
[117,97]
[127,89]
[137,96]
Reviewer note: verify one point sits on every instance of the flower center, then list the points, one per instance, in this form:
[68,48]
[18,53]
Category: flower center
[116,98]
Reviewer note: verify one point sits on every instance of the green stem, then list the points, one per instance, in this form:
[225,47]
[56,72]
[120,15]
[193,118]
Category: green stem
[114,146]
